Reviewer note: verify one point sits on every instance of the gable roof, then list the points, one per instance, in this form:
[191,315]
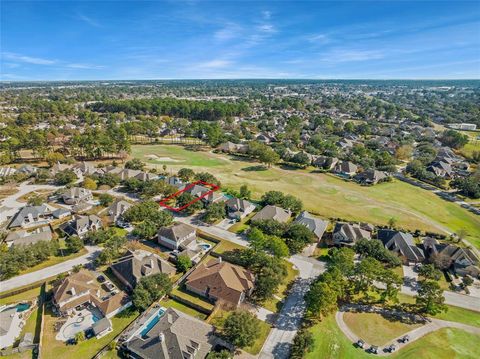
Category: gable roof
[314,224]
[176,231]
[23,237]
[222,280]
[80,282]
[272,212]
[35,211]
[401,242]
[238,204]
[176,335]
[138,264]
[352,231]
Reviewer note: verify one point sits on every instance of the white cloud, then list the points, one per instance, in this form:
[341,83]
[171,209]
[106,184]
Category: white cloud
[228,32]
[352,55]
[89,20]
[266,14]
[28,59]
[268,28]
[215,64]
[320,39]
[84,66]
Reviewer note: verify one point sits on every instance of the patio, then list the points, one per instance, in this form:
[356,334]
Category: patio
[79,321]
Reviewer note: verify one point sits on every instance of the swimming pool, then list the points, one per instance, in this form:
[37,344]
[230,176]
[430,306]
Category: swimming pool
[205,246]
[95,318]
[151,323]
[22,307]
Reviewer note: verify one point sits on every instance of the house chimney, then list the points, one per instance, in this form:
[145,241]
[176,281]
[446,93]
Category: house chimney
[72,290]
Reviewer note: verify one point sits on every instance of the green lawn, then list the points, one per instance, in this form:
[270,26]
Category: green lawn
[193,298]
[172,303]
[328,195]
[331,343]
[375,329]
[53,348]
[225,246]
[27,295]
[241,226]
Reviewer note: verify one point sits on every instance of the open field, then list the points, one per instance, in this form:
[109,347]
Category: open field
[325,194]
[473,145]
[375,329]
[331,343]
[52,348]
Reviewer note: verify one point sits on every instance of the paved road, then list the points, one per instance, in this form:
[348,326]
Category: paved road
[52,271]
[11,205]
[415,334]
[277,345]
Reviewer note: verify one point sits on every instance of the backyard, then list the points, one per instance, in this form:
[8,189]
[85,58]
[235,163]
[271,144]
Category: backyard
[325,194]
[53,348]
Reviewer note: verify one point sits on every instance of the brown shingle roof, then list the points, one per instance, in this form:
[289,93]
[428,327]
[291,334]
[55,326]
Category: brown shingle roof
[223,280]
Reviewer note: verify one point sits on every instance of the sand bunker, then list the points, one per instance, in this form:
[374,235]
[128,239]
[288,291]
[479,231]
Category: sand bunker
[163,159]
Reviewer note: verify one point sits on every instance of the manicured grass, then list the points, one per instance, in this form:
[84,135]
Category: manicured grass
[328,195]
[225,246]
[375,329]
[52,348]
[27,295]
[241,226]
[331,343]
[193,298]
[175,155]
[218,319]
[172,303]
[454,314]
[53,260]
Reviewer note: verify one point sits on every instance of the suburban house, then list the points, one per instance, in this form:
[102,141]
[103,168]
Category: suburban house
[22,237]
[402,244]
[441,169]
[60,213]
[214,197]
[348,234]
[345,168]
[177,236]
[272,212]
[316,225]
[174,335]
[230,147]
[327,163]
[138,264]
[117,209]
[239,208]
[81,225]
[30,216]
[221,281]
[462,261]
[75,195]
[370,176]
[81,288]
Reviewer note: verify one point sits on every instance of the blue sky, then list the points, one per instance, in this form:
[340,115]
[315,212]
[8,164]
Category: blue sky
[87,40]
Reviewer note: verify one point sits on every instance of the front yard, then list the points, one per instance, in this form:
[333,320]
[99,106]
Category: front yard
[53,348]
[218,319]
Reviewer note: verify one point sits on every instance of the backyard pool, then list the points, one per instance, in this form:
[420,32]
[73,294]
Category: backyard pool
[151,323]
[205,246]
[22,307]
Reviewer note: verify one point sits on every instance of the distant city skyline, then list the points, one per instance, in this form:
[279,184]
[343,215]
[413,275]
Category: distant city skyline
[120,40]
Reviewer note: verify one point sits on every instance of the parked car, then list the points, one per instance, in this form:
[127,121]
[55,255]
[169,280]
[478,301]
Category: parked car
[109,286]
[391,348]
[101,278]
[360,343]
[404,339]
[373,349]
